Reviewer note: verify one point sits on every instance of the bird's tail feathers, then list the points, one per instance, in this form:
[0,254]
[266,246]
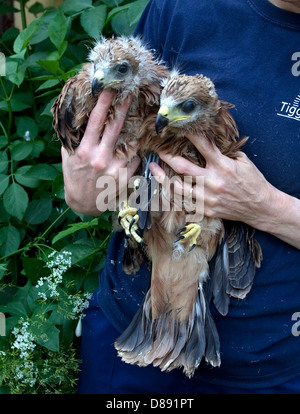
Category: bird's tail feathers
[169,343]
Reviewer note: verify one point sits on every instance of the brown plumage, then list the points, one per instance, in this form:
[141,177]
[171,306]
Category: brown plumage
[125,65]
[174,327]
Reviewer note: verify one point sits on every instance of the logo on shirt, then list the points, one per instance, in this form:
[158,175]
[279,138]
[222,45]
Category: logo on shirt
[290,109]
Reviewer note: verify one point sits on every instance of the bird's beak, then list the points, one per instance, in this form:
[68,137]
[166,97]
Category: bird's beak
[98,82]
[162,118]
[168,116]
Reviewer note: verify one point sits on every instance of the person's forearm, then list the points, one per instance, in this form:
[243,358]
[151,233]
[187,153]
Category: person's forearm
[234,189]
[280,216]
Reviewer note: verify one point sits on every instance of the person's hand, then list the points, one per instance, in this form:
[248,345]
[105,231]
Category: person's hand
[95,158]
[234,189]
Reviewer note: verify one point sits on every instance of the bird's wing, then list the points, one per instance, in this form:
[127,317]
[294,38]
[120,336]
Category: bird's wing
[233,267]
[72,108]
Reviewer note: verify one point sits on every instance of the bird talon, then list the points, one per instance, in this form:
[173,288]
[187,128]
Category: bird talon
[134,220]
[190,233]
[192,248]
[128,219]
[179,238]
[180,231]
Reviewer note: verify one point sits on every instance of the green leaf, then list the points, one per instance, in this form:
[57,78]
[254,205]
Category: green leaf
[15,71]
[115,11]
[46,335]
[10,34]
[3,141]
[42,172]
[120,23]
[124,18]
[20,176]
[58,29]
[4,181]
[42,32]
[112,3]
[50,65]
[38,146]
[9,240]
[73,228]
[4,9]
[3,269]
[15,200]
[38,211]
[75,6]
[19,102]
[3,161]
[58,188]
[48,84]
[36,8]
[68,330]
[80,250]
[4,216]
[47,109]
[26,127]
[24,37]
[15,308]
[91,282]
[20,150]
[92,20]
[135,11]
[34,268]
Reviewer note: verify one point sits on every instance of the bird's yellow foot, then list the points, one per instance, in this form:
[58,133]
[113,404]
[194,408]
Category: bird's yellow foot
[190,232]
[128,218]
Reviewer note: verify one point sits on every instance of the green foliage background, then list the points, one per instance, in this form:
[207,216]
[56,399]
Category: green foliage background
[34,219]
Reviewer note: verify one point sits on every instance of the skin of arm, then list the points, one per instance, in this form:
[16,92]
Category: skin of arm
[289,5]
[234,189]
[95,158]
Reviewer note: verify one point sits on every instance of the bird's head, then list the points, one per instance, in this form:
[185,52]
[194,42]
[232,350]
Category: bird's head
[121,63]
[187,102]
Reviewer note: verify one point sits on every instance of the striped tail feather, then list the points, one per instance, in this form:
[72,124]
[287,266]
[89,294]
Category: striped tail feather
[169,343]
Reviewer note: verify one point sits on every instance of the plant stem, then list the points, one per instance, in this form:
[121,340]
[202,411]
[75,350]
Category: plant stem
[4,130]
[53,224]
[23,14]
[94,251]
[36,241]
[9,107]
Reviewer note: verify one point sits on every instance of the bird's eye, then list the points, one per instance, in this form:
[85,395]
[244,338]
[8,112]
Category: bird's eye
[188,107]
[123,68]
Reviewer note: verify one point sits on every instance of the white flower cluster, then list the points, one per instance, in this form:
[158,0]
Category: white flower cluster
[24,342]
[79,304]
[26,373]
[24,339]
[58,266]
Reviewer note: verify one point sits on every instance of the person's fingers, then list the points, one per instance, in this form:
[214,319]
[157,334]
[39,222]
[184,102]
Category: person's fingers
[64,153]
[97,118]
[112,129]
[133,165]
[181,165]
[183,186]
[157,172]
[207,149]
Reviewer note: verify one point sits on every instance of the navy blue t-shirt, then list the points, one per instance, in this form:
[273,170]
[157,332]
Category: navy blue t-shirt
[251,51]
